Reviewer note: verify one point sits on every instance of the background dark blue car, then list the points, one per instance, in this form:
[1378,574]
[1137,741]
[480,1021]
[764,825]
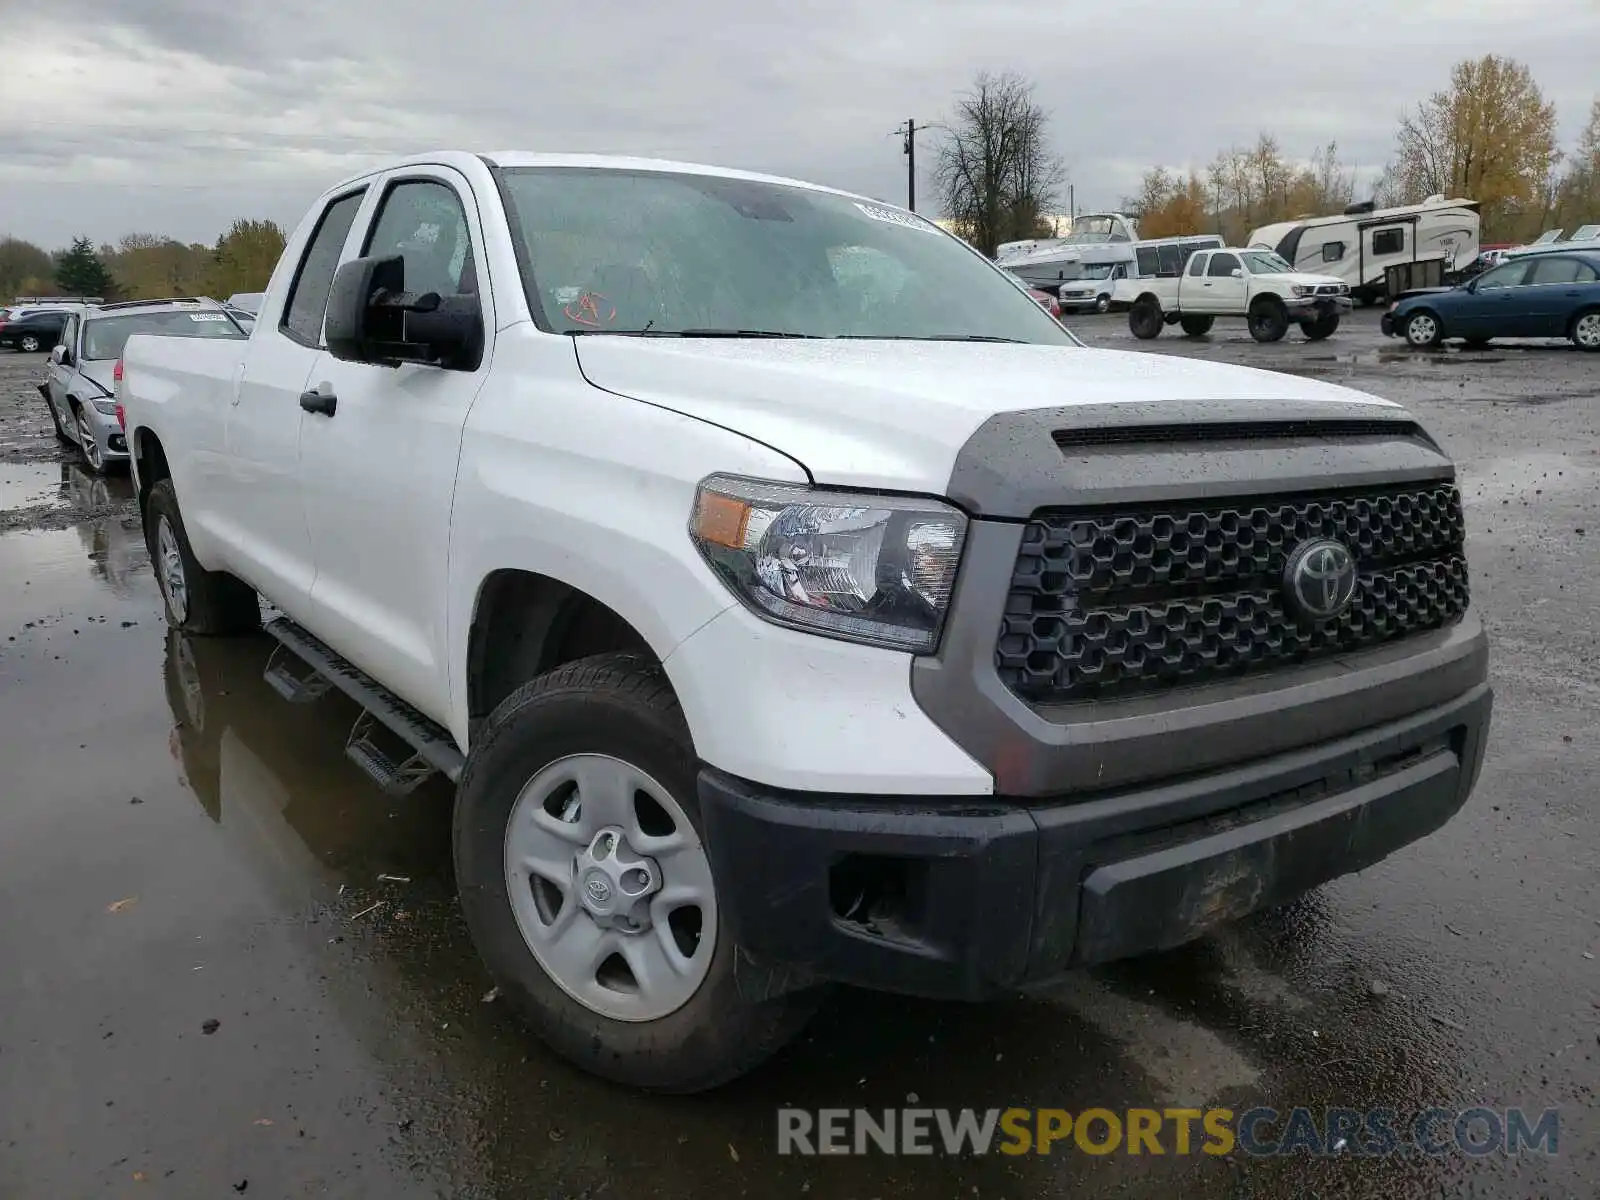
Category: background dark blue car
[1536,296]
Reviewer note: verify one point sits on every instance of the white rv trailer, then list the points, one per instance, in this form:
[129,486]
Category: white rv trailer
[1359,244]
[1082,269]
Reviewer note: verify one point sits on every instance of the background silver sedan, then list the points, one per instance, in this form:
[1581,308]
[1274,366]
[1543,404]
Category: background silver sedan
[80,382]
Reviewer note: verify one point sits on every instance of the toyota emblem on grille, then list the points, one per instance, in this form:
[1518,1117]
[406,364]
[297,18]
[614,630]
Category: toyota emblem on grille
[1320,579]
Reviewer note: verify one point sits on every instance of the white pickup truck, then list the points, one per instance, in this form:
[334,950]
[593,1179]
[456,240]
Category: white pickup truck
[1254,284]
[707,530]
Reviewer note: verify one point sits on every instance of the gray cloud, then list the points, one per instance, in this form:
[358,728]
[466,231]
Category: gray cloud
[186,113]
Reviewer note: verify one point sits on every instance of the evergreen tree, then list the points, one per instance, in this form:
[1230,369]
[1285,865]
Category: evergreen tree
[79,271]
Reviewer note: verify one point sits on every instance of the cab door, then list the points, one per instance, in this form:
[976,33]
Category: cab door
[1225,283]
[254,482]
[378,454]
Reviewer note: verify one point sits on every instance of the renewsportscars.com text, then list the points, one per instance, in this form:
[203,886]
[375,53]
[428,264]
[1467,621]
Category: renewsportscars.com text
[1258,1131]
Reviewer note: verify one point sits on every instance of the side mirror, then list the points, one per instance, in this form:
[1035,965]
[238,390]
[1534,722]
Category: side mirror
[373,319]
[60,356]
[1237,273]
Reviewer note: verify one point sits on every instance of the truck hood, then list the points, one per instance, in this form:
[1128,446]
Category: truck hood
[1306,278]
[894,415]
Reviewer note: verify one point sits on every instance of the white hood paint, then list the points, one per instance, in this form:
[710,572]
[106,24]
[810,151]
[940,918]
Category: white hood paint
[894,415]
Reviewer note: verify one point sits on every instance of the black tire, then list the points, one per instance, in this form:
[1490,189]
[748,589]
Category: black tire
[1318,328]
[1585,333]
[216,603]
[1268,320]
[1145,320]
[62,435]
[620,705]
[1423,329]
[1196,326]
[1102,303]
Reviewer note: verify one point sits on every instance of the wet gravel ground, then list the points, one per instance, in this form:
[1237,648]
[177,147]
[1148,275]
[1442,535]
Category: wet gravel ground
[236,967]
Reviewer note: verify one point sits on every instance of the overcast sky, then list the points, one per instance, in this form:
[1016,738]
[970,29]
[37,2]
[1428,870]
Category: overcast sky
[175,116]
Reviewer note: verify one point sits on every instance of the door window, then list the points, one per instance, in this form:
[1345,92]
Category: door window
[1223,266]
[308,295]
[69,334]
[1560,270]
[1506,275]
[423,222]
[1388,241]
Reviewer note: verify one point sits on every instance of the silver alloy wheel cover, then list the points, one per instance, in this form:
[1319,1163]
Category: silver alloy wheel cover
[1587,331]
[572,946]
[174,586]
[29,343]
[1422,321]
[87,442]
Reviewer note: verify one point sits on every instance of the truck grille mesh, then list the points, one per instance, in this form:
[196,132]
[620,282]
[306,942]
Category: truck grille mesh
[1112,603]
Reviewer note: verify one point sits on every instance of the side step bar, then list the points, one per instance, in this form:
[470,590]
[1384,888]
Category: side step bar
[435,749]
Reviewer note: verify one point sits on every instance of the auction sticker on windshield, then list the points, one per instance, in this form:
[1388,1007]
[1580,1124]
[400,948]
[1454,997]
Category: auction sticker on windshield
[893,217]
[207,317]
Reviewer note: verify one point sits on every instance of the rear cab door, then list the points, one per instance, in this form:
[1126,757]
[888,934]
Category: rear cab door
[378,471]
[1556,286]
[256,511]
[1192,293]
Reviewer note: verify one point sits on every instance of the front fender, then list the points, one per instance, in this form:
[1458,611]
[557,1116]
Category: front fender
[600,502]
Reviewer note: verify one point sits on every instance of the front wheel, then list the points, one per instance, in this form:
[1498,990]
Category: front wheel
[1102,304]
[1145,320]
[1318,328]
[1268,320]
[588,890]
[197,600]
[88,444]
[28,344]
[1586,330]
[1423,331]
[1196,326]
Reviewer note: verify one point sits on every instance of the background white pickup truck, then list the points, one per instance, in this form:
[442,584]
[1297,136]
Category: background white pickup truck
[704,528]
[1254,284]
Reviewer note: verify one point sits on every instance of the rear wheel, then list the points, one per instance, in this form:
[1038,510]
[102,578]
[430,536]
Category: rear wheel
[1320,327]
[586,884]
[28,344]
[1268,320]
[1145,320]
[1196,326]
[197,600]
[1586,330]
[1423,330]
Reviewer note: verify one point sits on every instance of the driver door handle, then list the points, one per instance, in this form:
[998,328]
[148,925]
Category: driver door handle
[325,403]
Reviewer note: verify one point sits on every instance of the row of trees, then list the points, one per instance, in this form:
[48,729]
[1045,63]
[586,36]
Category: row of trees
[1489,136]
[144,266]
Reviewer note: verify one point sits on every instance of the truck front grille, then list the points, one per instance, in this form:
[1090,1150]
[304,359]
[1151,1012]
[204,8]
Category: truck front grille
[1112,603]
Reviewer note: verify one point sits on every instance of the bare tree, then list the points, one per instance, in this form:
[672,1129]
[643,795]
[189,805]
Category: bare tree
[996,174]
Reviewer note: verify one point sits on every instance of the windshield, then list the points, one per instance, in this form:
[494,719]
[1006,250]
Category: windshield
[668,254]
[105,337]
[1096,229]
[1095,270]
[1264,262]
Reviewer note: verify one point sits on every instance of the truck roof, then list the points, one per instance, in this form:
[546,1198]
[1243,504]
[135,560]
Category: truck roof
[464,160]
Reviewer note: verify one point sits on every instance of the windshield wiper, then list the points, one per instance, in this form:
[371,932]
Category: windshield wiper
[933,337]
[697,333]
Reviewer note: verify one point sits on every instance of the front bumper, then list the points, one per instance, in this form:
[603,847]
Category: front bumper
[1321,306]
[967,897]
[1386,324]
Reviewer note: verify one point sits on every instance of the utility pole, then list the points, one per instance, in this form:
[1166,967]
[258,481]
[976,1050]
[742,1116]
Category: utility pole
[911,163]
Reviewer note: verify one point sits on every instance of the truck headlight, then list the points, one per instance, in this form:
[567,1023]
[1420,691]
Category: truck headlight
[862,567]
[1301,289]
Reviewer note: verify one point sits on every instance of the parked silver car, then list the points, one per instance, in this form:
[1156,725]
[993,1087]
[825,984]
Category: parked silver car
[80,383]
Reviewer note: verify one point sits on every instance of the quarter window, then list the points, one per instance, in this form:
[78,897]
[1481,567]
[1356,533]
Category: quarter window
[1559,270]
[308,296]
[1197,265]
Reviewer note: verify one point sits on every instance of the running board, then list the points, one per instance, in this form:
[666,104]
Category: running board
[435,749]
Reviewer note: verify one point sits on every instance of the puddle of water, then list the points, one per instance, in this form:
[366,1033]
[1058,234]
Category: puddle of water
[26,485]
[48,570]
